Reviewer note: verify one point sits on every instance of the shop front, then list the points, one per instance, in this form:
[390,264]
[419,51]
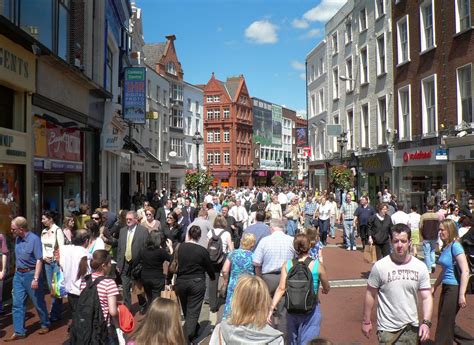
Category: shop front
[374,173]
[420,177]
[58,166]
[318,176]
[461,172]
[17,83]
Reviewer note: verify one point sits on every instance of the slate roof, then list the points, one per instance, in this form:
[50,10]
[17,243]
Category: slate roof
[232,85]
[153,53]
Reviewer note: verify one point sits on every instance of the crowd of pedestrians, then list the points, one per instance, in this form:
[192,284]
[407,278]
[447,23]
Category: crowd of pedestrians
[258,252]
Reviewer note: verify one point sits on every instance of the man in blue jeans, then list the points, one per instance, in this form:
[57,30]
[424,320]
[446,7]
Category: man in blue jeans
[27,279]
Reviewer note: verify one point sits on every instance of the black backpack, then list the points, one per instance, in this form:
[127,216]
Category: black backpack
[300,297]
[88,324]
[247,205]
[215,248]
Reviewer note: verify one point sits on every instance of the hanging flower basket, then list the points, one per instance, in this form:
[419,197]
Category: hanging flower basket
[342,177]
[195,180]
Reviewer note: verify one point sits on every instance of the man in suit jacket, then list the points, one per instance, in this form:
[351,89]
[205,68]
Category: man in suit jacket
[132,239]
[163,212]
[189,212]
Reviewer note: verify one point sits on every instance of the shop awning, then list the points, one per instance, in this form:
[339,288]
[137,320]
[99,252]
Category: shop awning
[135,146]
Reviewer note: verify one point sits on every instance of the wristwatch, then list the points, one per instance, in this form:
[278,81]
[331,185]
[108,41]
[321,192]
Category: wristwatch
[427,322]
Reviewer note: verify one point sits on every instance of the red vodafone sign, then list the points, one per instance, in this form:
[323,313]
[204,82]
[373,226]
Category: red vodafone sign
[418,155]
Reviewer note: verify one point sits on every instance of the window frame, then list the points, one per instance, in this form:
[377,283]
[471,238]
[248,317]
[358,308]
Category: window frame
[457,10]
[350,74]
[381,67]
[382,138]
[424,110]
[402,124]
[365,141]
[378,13]
[348,33]
[423,26]
[364,77]
[361,28]
[335,83]
[459,99]
[334,43]
[403,21]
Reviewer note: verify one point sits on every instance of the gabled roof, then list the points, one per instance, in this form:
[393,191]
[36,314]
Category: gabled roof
[232,85]
[154,52]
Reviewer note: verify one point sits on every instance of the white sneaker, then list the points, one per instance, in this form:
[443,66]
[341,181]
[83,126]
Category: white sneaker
[348,248]
[354,248]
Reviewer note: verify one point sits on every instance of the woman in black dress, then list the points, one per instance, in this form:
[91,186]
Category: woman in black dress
[151,257]
[379,228]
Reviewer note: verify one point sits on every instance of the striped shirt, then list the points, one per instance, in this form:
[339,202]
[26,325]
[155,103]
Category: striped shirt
[105,288]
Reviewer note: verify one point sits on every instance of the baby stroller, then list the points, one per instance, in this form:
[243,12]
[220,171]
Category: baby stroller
[467,241]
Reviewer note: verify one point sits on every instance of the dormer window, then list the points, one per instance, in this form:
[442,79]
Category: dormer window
[170,68]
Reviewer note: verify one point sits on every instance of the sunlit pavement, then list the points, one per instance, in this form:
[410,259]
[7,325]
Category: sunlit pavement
[341,308]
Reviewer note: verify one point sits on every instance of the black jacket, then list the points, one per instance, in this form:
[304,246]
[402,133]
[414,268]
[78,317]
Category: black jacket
[381,231]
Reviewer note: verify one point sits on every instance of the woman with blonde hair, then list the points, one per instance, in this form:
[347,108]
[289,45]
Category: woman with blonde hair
[161,325]
[238,262]
[247,323]
[453,293]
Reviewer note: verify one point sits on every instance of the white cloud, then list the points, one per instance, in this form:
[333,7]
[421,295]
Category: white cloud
[324,11]
[299,23]
[299,66]
[302,76]
[314,33]
[262,32]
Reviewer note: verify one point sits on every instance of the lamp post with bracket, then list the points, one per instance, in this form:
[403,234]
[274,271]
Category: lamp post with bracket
[198,140]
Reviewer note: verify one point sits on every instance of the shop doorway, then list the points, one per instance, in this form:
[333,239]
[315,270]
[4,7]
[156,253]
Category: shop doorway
[53,200]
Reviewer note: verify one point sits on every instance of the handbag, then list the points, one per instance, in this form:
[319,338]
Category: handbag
[56,254]
[137,272]
[173,267]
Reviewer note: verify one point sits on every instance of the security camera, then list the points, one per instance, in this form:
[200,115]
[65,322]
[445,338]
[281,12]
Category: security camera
[36,50]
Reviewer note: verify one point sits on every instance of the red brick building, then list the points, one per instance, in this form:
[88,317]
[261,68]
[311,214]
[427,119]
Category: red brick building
[433,49]
[228,131]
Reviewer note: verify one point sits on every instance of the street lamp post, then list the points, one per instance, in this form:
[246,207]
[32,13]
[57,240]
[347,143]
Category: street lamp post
[342,140]
[197,140]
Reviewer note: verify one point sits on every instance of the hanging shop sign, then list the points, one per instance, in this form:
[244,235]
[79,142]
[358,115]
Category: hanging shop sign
[134,94]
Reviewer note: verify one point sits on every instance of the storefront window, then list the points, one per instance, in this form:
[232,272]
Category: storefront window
[11,109]
[464,182]
[420,185]
[12,194]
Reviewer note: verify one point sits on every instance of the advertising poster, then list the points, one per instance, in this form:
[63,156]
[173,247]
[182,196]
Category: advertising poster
[262,123]
[301,136]
[277,124]
[134,94]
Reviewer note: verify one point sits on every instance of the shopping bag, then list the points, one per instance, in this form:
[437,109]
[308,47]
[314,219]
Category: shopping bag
[169,293]
[58,288]
[370,255]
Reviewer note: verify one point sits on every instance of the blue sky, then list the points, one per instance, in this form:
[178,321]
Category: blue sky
[265,40]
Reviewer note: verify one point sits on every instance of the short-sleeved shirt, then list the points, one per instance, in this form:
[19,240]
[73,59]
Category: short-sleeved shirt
[225,238]
[105,288]
[364,213]
[28,250]
[446,260]
[398,287]
[273,251]
[259,230]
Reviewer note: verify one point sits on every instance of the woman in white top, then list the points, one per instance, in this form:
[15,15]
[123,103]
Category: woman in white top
[220,226]
[95,241]
[52,241]
[323,213]
[414,224]
[274,208]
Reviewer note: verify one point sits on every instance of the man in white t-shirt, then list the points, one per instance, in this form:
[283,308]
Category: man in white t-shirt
[400,217]
[396,280]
